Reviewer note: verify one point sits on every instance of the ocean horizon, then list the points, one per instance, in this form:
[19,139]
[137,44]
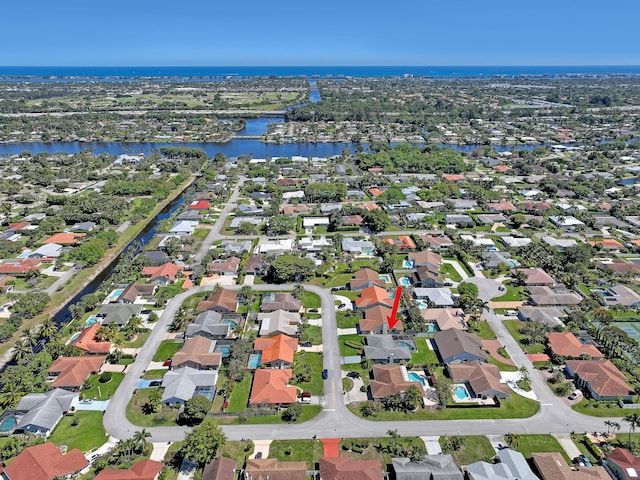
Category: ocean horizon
[317,71]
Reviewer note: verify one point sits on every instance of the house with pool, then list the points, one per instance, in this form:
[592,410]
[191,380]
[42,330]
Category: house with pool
[390,379]
[481,380]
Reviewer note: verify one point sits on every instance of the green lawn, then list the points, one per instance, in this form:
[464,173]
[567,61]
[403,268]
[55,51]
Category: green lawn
[308,412]
[238,451]
[314,360]
[513,294]
[423,355]
[350,294]
[355,367]
[514,329]
[339,280]
[106,390]
[313,334]
[597,409]
[450,272]
[166,350]
[474,449]
[154,374]
[514,407]
[87,434]
[375,448]
[311,300]
[166,417]
[348,319]
[484,331]
[200,233]
[346,350]
[240,395]
[528,444]
[502,366]
[297,451]
[170,291]
[139,340]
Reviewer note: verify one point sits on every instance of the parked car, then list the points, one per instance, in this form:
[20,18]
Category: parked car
[258,456]
[353,374]
[578,461]
[313,310]
[325,374]
[586,461]
[304,395]
[575,394]
[166,363]
[306,344]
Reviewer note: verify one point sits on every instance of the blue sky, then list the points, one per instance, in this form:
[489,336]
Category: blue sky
[326,32]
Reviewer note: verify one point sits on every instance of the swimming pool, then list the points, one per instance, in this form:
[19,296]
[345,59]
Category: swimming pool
[404,282]
[116,293]
[405,344]
[432,328]
[224,349]
[75,335]
[422,304]
[90,321]
[254,360]
[417,378]
[461,392]
[8,424]
[406,263]
[385,277]
[228,321]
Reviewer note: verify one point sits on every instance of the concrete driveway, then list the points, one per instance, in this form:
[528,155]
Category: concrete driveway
[487,288]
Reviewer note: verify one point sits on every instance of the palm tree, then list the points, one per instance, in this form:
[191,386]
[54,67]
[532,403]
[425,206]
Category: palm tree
[608,424]
[20,350]
[140,437]
[48,328]
[524,373]
[11,394]
[513,440]
[634,422]
[30,338]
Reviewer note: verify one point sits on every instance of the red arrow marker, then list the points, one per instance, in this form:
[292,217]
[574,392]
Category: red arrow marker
[391,319]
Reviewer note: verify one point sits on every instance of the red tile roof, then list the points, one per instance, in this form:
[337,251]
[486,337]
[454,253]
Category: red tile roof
[606,243]
[343,468]
[279,348]
[20,266]
[18,226]
[169,271]
[73,371]
[371,296]
[375,191]
[567,345]
[200,205]
[44,462]
[143,470]
[603,377]
[624,459]
[271,386]
[452,177]
[86,341]
[222,300]
[65,238]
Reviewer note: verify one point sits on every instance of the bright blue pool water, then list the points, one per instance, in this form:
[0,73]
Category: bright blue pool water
[432,328]
[230,322]
[422,305]
[461,392]
[407,263]
[254,360]
[224,349]
[404,281]
[116,293]
[8,424]
[405,344]
[90,321]
[417,378]
[75,335]
[385,277]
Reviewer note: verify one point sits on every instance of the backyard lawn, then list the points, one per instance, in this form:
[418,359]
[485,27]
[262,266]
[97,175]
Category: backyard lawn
[423,355]
[474,449]
[106,390]
[240,395]
[345,349]
[166,350]
[88,433]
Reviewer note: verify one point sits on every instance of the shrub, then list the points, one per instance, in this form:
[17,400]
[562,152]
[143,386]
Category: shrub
[105,377]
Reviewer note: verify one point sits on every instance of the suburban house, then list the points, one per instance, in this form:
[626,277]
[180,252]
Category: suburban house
[385,349]
[221,468]
[182,384]
[43,462]
[623,464]
[199,205]
[512,466]
[545,296]
[278,322]
[255,265]
[47,252]
[618,265]
[352,220]
[341,468]
[20,266]
[427,277]
[436,242]
[184,228]
[601,378]
[445,318]
[403,242]
[426,258]
[275,246]
[430,467]
[481,379]
[39,413]
[619,295]
[271,386]
[87,341]
[118,313]
[566,344]
[224,267]
[198,353]
[358,247]
[457,346]
[64,238]
[277,352]
[552,316]
[438,297]
[495,259]
[552,466]
[210,325]
[164,274]
[389,379]
[364,278]
[71,372]
[272,301]
[222,301]
[236,247]
[536,277]
[142,470]
[274,469]
[375,321]
[137,291]
[373,296]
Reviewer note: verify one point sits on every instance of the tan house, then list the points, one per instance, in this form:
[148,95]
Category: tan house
[566,344]
[552,466]
[222,300]
[389,379]
[274,469]
[197,353]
